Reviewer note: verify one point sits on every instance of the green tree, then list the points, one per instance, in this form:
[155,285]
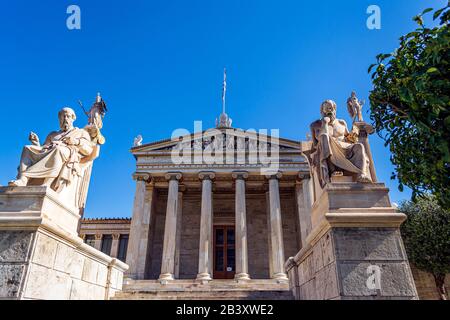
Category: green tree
[410,107]
[426,234]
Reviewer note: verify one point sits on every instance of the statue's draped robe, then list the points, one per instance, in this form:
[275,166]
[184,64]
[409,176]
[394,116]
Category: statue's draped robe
[55,159]
[331,148]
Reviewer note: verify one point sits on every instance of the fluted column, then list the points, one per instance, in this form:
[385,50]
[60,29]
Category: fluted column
[115,245]
[276,230]
[98,241]
[304,197]
[205,257]
[170,229]
[241,228]
[138,244]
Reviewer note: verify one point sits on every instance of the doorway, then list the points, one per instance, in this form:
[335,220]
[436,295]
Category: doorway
[224,264]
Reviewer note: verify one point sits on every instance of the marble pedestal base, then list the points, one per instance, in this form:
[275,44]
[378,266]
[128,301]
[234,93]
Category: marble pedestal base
[41,255]
[355,250]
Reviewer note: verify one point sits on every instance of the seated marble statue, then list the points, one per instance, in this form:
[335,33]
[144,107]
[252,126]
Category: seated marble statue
[335,150]
[58,161]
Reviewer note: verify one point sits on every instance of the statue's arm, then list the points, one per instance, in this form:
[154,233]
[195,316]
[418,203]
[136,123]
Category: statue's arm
[84,144]
[346,132]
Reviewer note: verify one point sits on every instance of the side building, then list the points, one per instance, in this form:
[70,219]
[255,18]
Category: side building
[109,235]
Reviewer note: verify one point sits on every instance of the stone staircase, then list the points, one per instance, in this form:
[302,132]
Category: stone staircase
[214,290]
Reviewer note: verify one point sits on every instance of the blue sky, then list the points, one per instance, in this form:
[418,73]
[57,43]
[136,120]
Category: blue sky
[158,65]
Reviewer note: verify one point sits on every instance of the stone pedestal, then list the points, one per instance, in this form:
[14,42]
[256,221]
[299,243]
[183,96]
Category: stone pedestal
[41,255]
[354,250]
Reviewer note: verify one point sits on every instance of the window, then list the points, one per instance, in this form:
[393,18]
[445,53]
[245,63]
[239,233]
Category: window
[106,244]
[123,245]
[90,239]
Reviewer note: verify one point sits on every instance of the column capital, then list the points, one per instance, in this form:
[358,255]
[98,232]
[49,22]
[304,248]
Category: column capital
[98,236]
[83,236]
[276,175]
[242,175]
[141,176]
[304,175]
[116,236]
[206,175]
[173,176]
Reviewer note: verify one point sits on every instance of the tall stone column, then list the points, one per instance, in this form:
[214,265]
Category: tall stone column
[115,245]
[138,245]
[304,199]
[98,241]
[205,256]
[276,230]
[241,228]
[170,229]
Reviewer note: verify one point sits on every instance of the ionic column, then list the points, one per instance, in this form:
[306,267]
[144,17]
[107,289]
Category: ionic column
[98,241]
[304,199]
[138,244]
[276,230]
[205,256]
[241,228]
[170,229]
[115,245]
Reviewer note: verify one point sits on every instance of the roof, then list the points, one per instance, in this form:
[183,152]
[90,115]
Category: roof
[105,220]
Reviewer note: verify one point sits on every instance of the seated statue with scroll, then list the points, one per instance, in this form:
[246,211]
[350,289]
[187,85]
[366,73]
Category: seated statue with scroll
[63,162]
[335,150]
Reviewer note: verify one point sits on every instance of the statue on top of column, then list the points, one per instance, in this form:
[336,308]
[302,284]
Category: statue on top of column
[64,161]
[335,150]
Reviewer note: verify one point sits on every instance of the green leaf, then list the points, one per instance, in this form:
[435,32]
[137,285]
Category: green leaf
[426,11]
[432,69]
[437,13]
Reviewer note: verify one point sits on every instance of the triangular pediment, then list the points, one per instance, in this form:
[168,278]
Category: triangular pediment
[231,138]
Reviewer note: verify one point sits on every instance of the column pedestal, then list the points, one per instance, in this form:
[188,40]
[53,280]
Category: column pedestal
[355,250]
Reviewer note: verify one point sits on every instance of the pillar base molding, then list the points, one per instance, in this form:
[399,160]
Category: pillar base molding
[164,278]
[204,277]
[242,277]
[280,277]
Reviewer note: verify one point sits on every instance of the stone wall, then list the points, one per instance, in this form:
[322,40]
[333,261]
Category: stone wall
[336,266]
[41,255]
[190,235]
[39,265]
[157,237]
[426,286]
[258,245]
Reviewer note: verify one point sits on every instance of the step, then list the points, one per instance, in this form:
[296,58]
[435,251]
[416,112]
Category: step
[214,285]
[205,295]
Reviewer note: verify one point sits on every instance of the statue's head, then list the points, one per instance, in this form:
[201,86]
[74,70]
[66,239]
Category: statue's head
[328,109]
[66,118]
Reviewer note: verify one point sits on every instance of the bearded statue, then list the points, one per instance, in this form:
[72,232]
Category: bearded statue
[335,150]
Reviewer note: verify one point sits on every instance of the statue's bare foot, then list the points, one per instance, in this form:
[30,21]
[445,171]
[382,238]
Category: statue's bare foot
[337,174]
[22,182]
[364,179]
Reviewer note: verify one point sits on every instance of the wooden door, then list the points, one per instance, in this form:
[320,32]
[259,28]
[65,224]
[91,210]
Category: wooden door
[224,266]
